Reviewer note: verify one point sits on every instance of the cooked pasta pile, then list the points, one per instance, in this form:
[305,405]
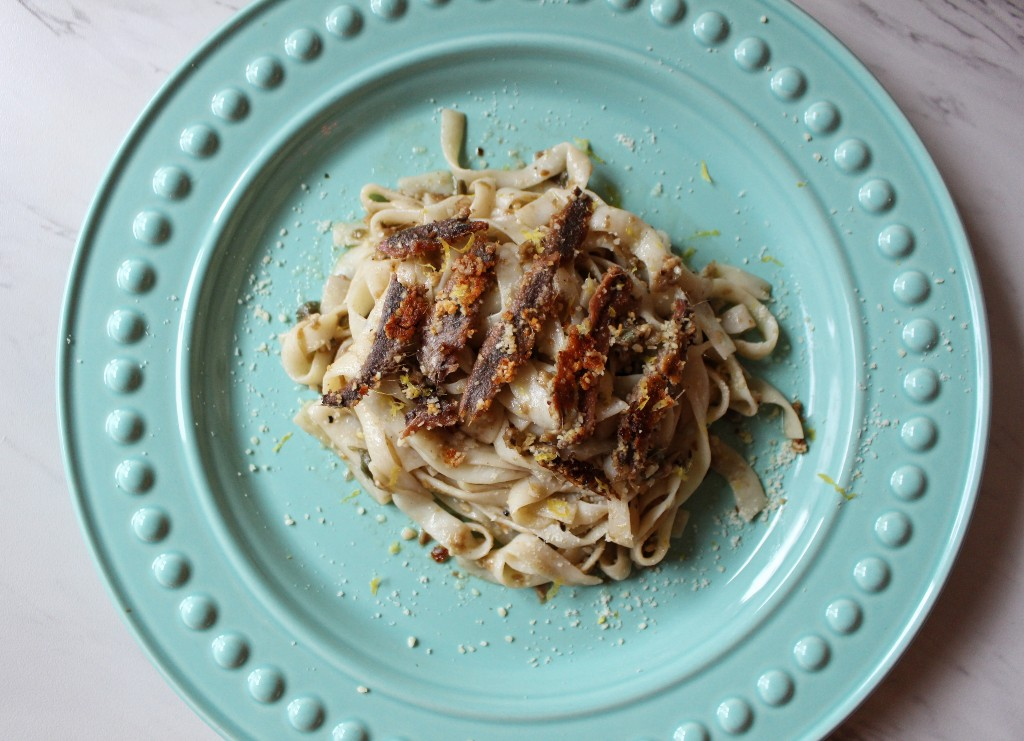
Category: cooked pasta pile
[529,372]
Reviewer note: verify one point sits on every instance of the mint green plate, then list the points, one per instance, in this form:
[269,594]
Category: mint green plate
[239,555]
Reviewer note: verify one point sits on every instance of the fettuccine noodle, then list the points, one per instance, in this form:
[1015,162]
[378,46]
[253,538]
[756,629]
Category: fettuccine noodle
[528,372]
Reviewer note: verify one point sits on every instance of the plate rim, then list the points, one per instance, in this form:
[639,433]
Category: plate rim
[983,361]
[84,246]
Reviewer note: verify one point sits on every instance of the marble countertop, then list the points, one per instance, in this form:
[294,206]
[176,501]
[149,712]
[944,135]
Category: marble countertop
[78,73]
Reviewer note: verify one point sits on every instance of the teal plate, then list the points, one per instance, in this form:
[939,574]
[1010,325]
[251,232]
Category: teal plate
[243,559]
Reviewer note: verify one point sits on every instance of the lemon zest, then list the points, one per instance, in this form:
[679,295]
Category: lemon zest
[559,508]
[847,495]
[705,175]
[286,438]
[584,146]
[553,591]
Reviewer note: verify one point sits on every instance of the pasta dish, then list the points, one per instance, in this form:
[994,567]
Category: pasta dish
[529,372]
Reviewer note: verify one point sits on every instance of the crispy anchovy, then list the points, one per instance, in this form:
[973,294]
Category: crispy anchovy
[455,311]
[583,474]
[510,341]
[404,310]
[568,229]
[425,238]
[653,396]
[431,414]
[583,361]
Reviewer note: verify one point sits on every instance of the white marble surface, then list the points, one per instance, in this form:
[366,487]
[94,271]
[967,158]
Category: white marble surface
[76,73]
